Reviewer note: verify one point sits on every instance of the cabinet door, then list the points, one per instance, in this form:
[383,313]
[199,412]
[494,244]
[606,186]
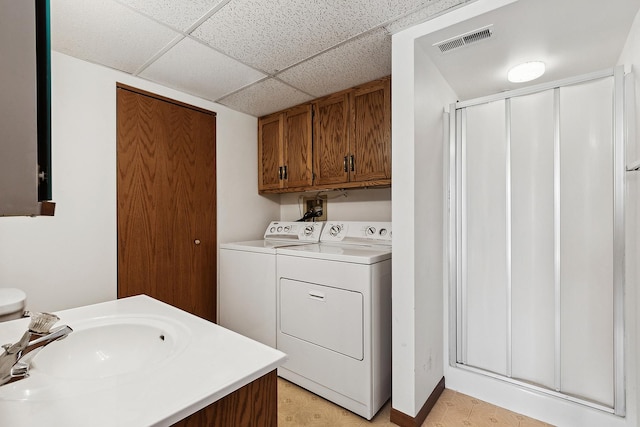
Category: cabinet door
[297,147]
[331,140]
[18,121]
[371,132]
[270,141]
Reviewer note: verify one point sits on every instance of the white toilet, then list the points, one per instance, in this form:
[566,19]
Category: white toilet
[12,304]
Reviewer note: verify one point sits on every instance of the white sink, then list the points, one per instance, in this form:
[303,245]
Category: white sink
[111,346]
[130,362]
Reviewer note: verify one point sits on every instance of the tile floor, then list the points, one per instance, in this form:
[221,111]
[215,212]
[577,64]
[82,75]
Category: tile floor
[298,407]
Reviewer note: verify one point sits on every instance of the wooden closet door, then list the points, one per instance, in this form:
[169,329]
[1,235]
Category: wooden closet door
[166,191]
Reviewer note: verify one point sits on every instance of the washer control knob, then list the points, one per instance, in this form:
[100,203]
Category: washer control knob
[371,231]
[279,229]
[308,230]
[383,232]
[272,229]
[287,228]
[335,230]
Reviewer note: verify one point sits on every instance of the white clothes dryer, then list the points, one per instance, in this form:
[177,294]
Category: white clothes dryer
[334,315]
[247,287]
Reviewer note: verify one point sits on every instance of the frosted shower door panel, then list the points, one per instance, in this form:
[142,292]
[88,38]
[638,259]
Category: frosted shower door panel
[532,232]
[586,240]
[485,282]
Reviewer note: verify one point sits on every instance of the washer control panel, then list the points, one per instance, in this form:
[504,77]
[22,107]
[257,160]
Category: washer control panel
[295,231]
[356,232]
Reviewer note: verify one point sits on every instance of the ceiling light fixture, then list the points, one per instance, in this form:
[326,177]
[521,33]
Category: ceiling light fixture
[526,72]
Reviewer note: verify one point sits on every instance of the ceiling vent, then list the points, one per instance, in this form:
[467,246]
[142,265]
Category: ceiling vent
[464,39]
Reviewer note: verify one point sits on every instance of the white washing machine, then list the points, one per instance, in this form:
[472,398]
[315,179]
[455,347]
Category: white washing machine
[334,315]
[247,287]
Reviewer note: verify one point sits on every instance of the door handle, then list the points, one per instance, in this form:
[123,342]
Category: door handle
[285,172]
[346,168]
[280,172]
[352,163]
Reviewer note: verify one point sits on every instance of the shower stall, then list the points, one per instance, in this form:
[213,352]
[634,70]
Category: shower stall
[536,238]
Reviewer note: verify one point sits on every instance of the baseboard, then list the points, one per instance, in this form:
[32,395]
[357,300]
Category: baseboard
[404,420]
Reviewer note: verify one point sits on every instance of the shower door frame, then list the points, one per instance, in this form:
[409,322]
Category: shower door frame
[456,194]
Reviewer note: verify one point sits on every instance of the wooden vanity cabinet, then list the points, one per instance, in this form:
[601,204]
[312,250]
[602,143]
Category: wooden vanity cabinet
[254,405]
[284,149]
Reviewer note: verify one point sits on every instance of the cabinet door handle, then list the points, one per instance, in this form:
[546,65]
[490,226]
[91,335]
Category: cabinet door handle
[280,172]
[285,172]
[352,163]
[346,168]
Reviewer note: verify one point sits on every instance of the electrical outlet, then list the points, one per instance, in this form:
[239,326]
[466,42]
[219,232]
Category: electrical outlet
[310,203]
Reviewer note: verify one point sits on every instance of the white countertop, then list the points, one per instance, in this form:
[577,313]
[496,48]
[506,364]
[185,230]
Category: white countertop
[211,362]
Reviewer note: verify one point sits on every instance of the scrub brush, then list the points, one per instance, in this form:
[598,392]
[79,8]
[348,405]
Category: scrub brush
[41,323]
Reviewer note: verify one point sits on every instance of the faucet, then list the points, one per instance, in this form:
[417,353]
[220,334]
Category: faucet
[13,360]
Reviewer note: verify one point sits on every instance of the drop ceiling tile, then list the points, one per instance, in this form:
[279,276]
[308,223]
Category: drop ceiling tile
[434,8]
[277,34]
[178,14]
[106,32]
[265,97]
[195,68]
[358,61]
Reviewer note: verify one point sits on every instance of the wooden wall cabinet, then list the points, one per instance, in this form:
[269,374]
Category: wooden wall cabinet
[352,137]
[331,133]
[285,149]
[370,139]
[270,141]
[349,143]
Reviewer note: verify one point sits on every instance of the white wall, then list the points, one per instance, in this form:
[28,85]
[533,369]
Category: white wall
[70,259]
[371,204]
[432,94]
[403,307]
[420,93]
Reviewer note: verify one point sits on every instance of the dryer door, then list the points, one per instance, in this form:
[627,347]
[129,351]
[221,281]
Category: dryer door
[329,317]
